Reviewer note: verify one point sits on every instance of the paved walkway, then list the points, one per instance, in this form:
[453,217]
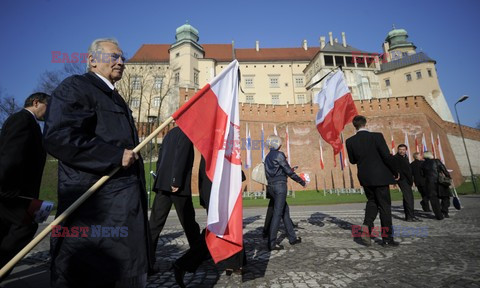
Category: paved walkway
[449,256]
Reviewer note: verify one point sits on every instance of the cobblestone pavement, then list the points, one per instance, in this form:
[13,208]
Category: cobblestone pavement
[447,256]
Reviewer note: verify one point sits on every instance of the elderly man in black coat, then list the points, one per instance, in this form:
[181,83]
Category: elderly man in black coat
[376,171]
[90,130]
[405,183]
[22,158]
[419,180]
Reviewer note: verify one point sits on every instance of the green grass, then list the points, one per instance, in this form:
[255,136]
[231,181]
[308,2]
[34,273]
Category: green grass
[48,191]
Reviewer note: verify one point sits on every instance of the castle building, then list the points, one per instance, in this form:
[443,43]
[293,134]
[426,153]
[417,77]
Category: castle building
[398,89]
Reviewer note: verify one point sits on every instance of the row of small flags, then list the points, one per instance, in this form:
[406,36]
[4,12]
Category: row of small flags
[435,145]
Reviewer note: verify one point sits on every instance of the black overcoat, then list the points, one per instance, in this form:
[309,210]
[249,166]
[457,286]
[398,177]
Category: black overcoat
[87,128]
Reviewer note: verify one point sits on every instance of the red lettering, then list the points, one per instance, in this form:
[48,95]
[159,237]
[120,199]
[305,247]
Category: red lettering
[55,58]
[75,57]
[65,58]
[84,231]
[55,229]
[74,232]
[356,231]
[375,232]
[65,232]
[83,57]
[384,231]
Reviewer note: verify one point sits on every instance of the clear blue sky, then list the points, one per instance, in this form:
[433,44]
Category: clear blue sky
[446,31]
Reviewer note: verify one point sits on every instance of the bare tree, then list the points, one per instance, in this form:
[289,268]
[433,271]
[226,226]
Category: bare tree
[8,106]
[50,79]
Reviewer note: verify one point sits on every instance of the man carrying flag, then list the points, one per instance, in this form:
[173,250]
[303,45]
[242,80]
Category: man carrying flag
[336,110]
[218,140]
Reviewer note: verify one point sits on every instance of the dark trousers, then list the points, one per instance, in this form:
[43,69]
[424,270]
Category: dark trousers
[186,214]
[193,258]
[14,234]
[378,200]
[280,212]
[408,206]
[269,216]
[425,198]
[439,209]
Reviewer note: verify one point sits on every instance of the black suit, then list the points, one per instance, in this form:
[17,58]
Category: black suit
[87,128]
[419,181]
[22,158]
[376,168]
[174,168]
[405,183]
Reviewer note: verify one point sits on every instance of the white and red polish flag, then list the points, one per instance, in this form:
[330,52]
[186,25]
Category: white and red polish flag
[416,144]
[211,121]
[408,148]
[336,110]
[393,144]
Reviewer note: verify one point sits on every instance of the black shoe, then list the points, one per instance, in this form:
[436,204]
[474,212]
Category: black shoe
[276,247]
[428,210]
[264,235]
[415,219]
[446,215]
[390,243]
[228,272]
[296,241]
[179,274]
[409,220]
[440,218]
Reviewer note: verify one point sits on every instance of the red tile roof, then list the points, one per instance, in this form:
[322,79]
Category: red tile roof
[223,53]
[152,53]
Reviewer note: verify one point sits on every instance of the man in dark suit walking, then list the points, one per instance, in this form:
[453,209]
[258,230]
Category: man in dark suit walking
[22,158]
[419,180]
[405,183]
[376,171]
[173,186]
[90,130]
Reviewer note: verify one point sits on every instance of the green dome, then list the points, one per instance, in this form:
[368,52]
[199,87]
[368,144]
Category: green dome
[397,38]
[186,32]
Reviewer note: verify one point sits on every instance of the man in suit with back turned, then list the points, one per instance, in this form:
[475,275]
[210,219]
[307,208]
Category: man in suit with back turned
[22,158]
[376,171]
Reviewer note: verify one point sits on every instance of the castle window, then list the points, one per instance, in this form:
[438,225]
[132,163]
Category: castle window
[156,101]
[429,71]
[177,55]
[275,99]
[158,82]
[195,78]
[298,81]
[135,102]
[301,99]
[249,82]
[177,77]
[387,82]
[136,83]
[419,74]
[328,60]
[274,81]
[339,61]
[249,98]
[408,77]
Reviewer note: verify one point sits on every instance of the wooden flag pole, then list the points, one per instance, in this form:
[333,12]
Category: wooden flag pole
[76,204]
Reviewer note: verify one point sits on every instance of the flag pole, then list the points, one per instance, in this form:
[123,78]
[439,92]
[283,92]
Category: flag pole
[76,204]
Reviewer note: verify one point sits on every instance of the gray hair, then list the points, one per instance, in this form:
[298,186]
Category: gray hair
[95,46]
[274,142]
[428,155]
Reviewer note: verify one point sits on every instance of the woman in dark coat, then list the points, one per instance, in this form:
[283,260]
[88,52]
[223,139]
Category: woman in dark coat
[437,192]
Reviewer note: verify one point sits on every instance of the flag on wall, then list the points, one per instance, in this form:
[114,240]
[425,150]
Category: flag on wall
[440,150]
[424,144]
[416,144]
[248,160]
[287,139]
[215,106]
[263,144]
[336,110]
[408,148]
[275,130]
[433,145]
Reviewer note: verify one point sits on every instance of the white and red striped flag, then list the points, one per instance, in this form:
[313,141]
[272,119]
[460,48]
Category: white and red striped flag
[322,164]
[275,130]
[287,139]
[336,110]
[424,144]
[211,120]
[408,148]
[440,150]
